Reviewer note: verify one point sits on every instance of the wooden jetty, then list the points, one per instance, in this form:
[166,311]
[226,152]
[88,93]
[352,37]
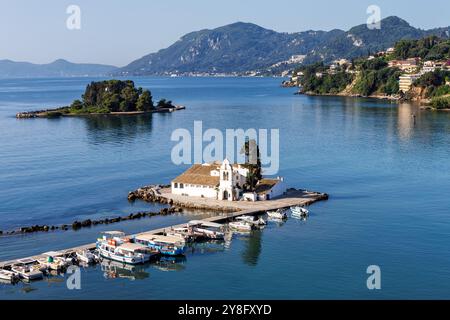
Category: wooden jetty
[292,197]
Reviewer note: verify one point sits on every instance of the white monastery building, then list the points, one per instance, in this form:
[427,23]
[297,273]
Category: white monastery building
[224,181]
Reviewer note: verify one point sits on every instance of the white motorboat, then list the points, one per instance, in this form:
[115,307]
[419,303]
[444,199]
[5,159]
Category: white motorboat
[252,220]
[240,226]
[8,276]
[131,253]
[277,214]
[299,211]
[185,234]
[85,256]
[206,229]
[113,245]
[27,269]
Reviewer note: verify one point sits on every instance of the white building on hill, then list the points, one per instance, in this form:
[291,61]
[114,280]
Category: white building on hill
[223,181]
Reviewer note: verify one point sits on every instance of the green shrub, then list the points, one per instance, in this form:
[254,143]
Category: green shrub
[441,102]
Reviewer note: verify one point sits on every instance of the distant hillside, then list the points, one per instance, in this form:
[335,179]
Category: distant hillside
[245,48]
[58,68]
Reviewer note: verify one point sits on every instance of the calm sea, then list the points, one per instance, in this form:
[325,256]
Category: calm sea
[388,177]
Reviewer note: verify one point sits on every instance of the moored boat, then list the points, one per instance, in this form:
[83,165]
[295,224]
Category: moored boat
[185,233]
[277,214]
[113,245]
[299,211]
[252,220]
[27,269]
[167,245]
[206,229]
[85,256]
[55,261]
[52,263]
[240,226]
[8,276]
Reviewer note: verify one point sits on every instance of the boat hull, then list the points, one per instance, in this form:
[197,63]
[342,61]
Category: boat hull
[123,259]
[240,227]
[169,251]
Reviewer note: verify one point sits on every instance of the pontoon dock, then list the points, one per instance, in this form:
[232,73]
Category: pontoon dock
[292,198]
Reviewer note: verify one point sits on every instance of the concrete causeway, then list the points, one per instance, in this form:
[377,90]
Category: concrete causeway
[234,209]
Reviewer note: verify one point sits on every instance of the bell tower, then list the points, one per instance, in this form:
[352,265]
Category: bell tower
[226,186]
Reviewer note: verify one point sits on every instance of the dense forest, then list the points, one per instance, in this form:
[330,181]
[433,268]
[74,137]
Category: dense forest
[429,48]
[372,77]
[376,77]
[115,96]
[316,80]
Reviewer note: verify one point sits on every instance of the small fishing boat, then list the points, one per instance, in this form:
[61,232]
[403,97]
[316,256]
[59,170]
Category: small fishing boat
[185,234]
[8,276]
[167,245]
[113,245]
[55,260]
[85,256]
[277,214]
[206,229]
[130,253]
[240,226]
[299,211]
[27,269]
[252,220]
[52,263]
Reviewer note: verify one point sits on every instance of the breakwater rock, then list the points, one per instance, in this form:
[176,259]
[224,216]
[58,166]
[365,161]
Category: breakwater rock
[150,193]
[48,113]
[76,225]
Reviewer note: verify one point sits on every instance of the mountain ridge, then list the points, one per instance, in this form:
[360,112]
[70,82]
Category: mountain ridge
[244,47]
[57,68]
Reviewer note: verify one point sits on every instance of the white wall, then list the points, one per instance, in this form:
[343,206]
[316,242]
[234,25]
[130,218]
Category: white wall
[278,190]
[195,191]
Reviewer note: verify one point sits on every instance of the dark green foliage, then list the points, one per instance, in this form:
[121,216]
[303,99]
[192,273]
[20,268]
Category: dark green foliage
[434,83]
[441,102]
[429,48]
[376,77]
[441,91]
[145,102]
[76,105]
[253,162]
[163,103]
[112,96]
[325,84]
[436,78]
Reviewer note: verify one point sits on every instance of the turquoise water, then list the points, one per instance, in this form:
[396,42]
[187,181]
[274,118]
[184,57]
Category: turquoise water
[388,178]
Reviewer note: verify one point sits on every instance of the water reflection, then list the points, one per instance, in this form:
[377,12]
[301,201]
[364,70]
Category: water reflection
[107,128]
[166,263]
[252,248]
[407,119]
[206,247]
[113,270]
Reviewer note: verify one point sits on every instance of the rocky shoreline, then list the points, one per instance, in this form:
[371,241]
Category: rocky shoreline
[152,193]
[352,95]
[62,112]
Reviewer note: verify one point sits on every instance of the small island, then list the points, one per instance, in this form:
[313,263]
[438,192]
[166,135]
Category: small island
[115,97]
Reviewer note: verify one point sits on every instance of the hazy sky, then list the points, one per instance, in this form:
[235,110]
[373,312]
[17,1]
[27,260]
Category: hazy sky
[117,32]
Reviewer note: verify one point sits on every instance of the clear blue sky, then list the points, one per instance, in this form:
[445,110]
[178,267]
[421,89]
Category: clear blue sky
[117,32]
